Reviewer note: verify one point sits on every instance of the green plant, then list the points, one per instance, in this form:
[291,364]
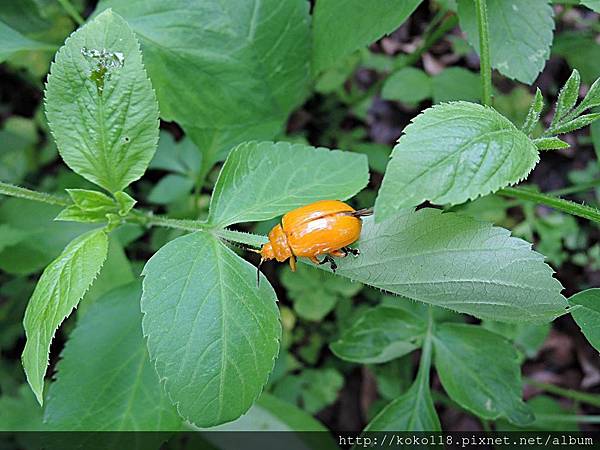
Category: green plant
[209,336]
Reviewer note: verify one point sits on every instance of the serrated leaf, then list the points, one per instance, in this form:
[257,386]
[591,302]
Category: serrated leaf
[550,143]
[533,115]
[73,213]
[339,28]
[100,104]
[480,371]
[575,124]
[592,98]
[113,387]
[58,291]
[408,85]
[567,97]
[456,262]
[212,333]
[452,153]
[379,335]
[588,315]
[125,202]
[11,42]
[262,180]
[226,72]
[87,199]
[520,35]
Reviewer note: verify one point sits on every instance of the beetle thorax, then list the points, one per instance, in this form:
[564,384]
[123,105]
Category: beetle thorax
[278,247]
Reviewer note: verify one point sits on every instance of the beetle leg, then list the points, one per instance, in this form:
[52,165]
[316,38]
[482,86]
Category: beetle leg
[314,260]
[353,251]
[293,263]
[341,253]
[332,263]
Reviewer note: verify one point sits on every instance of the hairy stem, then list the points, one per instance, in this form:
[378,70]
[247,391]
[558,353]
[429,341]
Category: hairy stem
[21,192]
[72,12]
[252,240]
[573,208]
[484,52]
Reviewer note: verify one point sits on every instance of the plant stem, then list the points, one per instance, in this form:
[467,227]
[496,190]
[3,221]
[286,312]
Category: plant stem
[21,192]
[568,418]
[577,188]
[72,12]
[583,397]
[148,219]
[484,52]
[253,240]
[573,208]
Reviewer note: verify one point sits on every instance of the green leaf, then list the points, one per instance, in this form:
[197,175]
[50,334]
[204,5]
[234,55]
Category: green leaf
[182,157]
[116,272]
[588,315]
[456,83]
[413,410]
[527,337]
[480,371]
[550,143]
[380,335]
[20,412]
[10,236]
[452,153]
[105,381]
[581,51]
[456,262]
[59,290]
[315,389]
[262,180]
[548,413]
[520,35]
[408,85]
[89,206]
[212,333]
[592,98]
[592,4]
[170,188]
[44,238]
[575,124]
[567,97]
[272,414]
[339,28]
[100,104]
[250,71]
[11,42]
[314,292]
[533,116]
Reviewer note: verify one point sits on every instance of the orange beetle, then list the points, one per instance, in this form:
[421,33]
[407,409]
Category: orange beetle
[325,227]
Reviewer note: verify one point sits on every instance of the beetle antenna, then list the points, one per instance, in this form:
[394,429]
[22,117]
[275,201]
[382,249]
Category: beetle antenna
[258,272]
[362,212]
